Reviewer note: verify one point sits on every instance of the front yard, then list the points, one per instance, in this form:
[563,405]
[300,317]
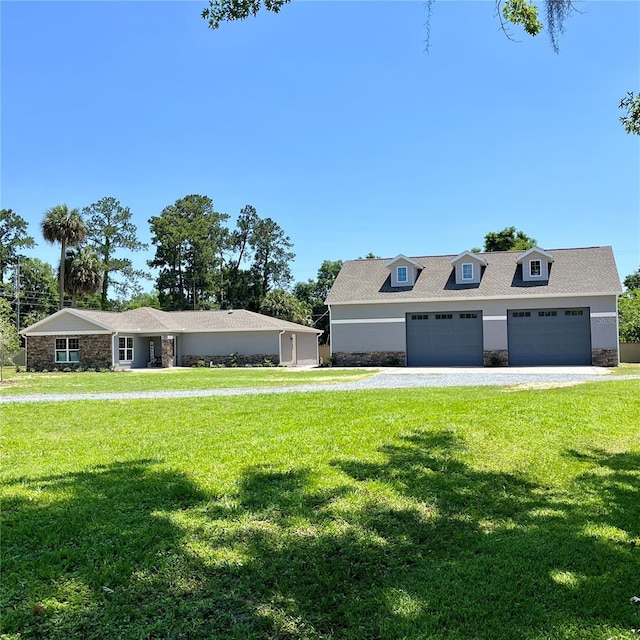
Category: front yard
[448,514]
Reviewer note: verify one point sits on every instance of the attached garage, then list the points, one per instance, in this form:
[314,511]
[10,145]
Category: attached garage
[549,336]
[442,339]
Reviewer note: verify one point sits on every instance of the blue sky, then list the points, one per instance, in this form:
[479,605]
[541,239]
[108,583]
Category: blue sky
[329,117]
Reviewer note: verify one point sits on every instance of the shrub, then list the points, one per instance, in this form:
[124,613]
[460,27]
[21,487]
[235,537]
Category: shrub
[200,364]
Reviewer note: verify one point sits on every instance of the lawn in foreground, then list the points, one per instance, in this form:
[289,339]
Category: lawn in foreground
[175,379]
[425,513]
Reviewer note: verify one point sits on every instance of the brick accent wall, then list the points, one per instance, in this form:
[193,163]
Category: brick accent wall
[370,359]
[230,361]
[495,358]
[604,357]
[94,351]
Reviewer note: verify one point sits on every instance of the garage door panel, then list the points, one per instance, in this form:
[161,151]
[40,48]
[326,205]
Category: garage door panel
[549,336]
[444,339]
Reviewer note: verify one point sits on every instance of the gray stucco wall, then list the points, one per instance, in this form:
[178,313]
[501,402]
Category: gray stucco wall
[223,344]
[306,349]
[389,333]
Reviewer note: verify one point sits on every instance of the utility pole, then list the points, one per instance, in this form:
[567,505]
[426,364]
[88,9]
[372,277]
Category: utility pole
[16,291]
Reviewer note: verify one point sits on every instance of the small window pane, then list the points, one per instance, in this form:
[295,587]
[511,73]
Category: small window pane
[74,356]
[402,274]
[467,271]
[73,343]
[535,268]
[61,356]
[61,343]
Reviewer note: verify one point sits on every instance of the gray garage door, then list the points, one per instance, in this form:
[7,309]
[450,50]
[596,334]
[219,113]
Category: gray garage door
[444,339]
[549,336]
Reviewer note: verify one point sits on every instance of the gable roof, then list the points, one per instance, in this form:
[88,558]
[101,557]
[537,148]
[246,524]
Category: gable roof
[523,256]
[148,320]
[468,254]
[584,271]
[402,258]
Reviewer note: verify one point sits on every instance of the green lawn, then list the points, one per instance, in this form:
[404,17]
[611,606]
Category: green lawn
[441,514]
[161,379]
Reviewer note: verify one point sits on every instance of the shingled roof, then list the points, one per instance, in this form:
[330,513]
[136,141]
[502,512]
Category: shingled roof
[574,272]
[147,320]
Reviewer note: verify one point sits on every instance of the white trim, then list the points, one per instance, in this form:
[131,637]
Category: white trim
[494,317]
[66,311]
[367,320]
[469,254]
[401,256]
[406,274]
[535,275]
[604,314]
[542,252]
[462,266]
[68,333]
[497,298]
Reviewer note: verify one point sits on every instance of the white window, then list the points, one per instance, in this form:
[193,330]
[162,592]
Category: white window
[467,271]
[535,268]
[67,350]
[402,275]
[125,349]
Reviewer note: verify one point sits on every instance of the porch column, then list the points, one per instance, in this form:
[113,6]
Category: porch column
[167,352]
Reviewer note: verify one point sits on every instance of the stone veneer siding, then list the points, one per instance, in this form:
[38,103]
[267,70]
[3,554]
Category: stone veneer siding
[94,351]
[495,358]
[167,352]
[232,361]
[604,357]
[370,359]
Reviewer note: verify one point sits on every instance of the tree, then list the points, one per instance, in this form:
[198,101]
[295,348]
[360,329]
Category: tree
[629,316]
[13,238]
[109,229]
[509,239]
[631,121]
[314,292]
[38,293]
[83,273]
[510,12]
[63,225]
[9,342]
[280,304]
[632,281]
[271,256]
[189,240]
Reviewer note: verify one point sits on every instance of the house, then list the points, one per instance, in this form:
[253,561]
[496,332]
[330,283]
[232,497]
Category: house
[535,307]
[149,337]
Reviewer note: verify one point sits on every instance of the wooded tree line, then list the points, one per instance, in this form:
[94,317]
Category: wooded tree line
[202,263]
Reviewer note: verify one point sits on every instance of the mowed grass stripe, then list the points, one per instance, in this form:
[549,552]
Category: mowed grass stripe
[421,513]
[174,379]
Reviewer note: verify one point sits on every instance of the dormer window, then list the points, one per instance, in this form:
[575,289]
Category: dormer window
[536,265]
[535,268]
[468,268]
[404,271]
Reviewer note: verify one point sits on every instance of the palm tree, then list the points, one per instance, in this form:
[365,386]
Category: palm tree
[83,273]
[65,226]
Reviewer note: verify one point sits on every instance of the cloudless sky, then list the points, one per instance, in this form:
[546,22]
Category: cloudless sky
[330,118]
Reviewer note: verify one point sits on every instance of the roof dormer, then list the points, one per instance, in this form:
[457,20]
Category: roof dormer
[535,264]
[404,271]
[468,267]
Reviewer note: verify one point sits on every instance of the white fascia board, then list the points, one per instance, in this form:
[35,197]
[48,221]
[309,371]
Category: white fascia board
[401,256]
[468,254]
[265,329]
[67,332]
[577,294]
[526,254]
[66,311]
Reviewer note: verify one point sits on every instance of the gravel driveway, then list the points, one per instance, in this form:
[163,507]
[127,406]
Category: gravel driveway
[401,378]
